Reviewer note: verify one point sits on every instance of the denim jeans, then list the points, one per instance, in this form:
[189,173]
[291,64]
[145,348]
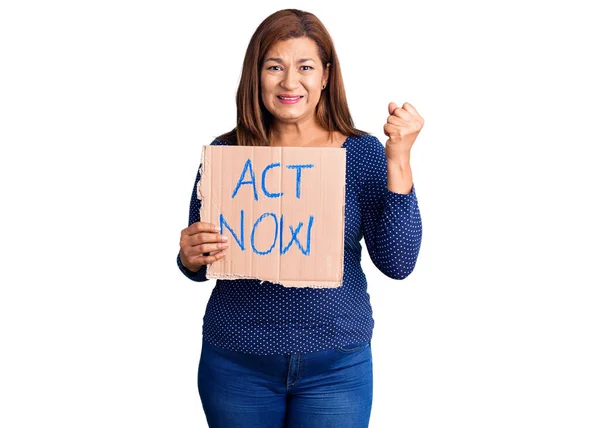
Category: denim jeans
[325,389]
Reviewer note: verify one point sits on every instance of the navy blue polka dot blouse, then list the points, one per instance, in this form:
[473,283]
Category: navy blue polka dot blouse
[265,318]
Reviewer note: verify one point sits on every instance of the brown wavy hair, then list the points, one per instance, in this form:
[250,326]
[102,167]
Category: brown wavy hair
[253,119]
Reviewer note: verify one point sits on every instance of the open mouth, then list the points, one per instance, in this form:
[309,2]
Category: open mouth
[289,98]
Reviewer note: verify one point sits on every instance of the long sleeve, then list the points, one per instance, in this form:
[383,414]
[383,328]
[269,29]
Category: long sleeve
[391,222]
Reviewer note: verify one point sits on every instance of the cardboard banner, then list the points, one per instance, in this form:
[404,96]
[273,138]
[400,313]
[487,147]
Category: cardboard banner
[282,209]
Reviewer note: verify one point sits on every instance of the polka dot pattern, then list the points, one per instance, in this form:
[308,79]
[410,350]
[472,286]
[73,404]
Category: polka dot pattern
[246,315]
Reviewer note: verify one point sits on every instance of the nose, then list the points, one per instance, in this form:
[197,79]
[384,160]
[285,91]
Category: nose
[290,79]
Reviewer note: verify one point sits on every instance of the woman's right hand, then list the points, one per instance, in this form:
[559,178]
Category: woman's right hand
[201,244]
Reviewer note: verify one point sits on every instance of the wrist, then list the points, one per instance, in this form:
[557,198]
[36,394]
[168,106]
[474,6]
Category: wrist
[399,176]
[191,270]
[399,163]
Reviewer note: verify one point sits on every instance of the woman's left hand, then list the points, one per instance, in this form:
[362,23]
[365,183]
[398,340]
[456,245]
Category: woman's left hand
[402,127]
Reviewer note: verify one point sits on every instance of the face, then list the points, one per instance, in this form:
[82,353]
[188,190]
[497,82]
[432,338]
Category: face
[292,68]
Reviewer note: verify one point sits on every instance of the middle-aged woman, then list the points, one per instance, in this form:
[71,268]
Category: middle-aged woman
[275,356]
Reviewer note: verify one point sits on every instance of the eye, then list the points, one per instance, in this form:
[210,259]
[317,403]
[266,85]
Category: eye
[271,67]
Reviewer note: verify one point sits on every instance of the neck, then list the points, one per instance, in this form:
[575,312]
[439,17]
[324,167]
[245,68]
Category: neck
[296,134]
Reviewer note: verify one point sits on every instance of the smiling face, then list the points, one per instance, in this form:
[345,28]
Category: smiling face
[292,68]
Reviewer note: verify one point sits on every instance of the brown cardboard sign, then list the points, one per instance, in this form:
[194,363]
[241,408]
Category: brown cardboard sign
[282,209]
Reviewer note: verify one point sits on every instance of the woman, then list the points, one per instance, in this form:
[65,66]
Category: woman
[275,356]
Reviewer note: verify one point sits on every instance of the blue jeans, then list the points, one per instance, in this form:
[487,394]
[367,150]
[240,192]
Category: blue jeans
[325,389]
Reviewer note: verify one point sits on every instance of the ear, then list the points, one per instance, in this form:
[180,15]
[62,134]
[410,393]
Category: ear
[326,73]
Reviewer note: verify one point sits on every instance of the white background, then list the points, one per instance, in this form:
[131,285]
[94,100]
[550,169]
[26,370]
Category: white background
[104,109]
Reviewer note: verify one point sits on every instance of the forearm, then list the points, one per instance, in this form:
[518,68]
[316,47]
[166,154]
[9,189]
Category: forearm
[400,175]
[393,234]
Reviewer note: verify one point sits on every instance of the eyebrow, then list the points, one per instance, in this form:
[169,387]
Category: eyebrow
[279,60]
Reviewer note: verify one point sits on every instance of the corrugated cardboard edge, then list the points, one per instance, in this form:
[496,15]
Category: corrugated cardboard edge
[203,193]
[343,243]
[203,188]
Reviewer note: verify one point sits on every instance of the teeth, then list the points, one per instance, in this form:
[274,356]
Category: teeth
[286,98]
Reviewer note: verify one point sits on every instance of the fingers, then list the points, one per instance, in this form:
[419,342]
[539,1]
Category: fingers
[413,111]
[396,120]
[389,129]
[408,112]
[409,108]
[199,227]
[203,254]
[209,247]
[202,244]
[208,259]
[201,232]
[205,238]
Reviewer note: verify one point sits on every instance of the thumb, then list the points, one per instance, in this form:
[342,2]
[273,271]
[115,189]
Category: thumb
[391,107]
